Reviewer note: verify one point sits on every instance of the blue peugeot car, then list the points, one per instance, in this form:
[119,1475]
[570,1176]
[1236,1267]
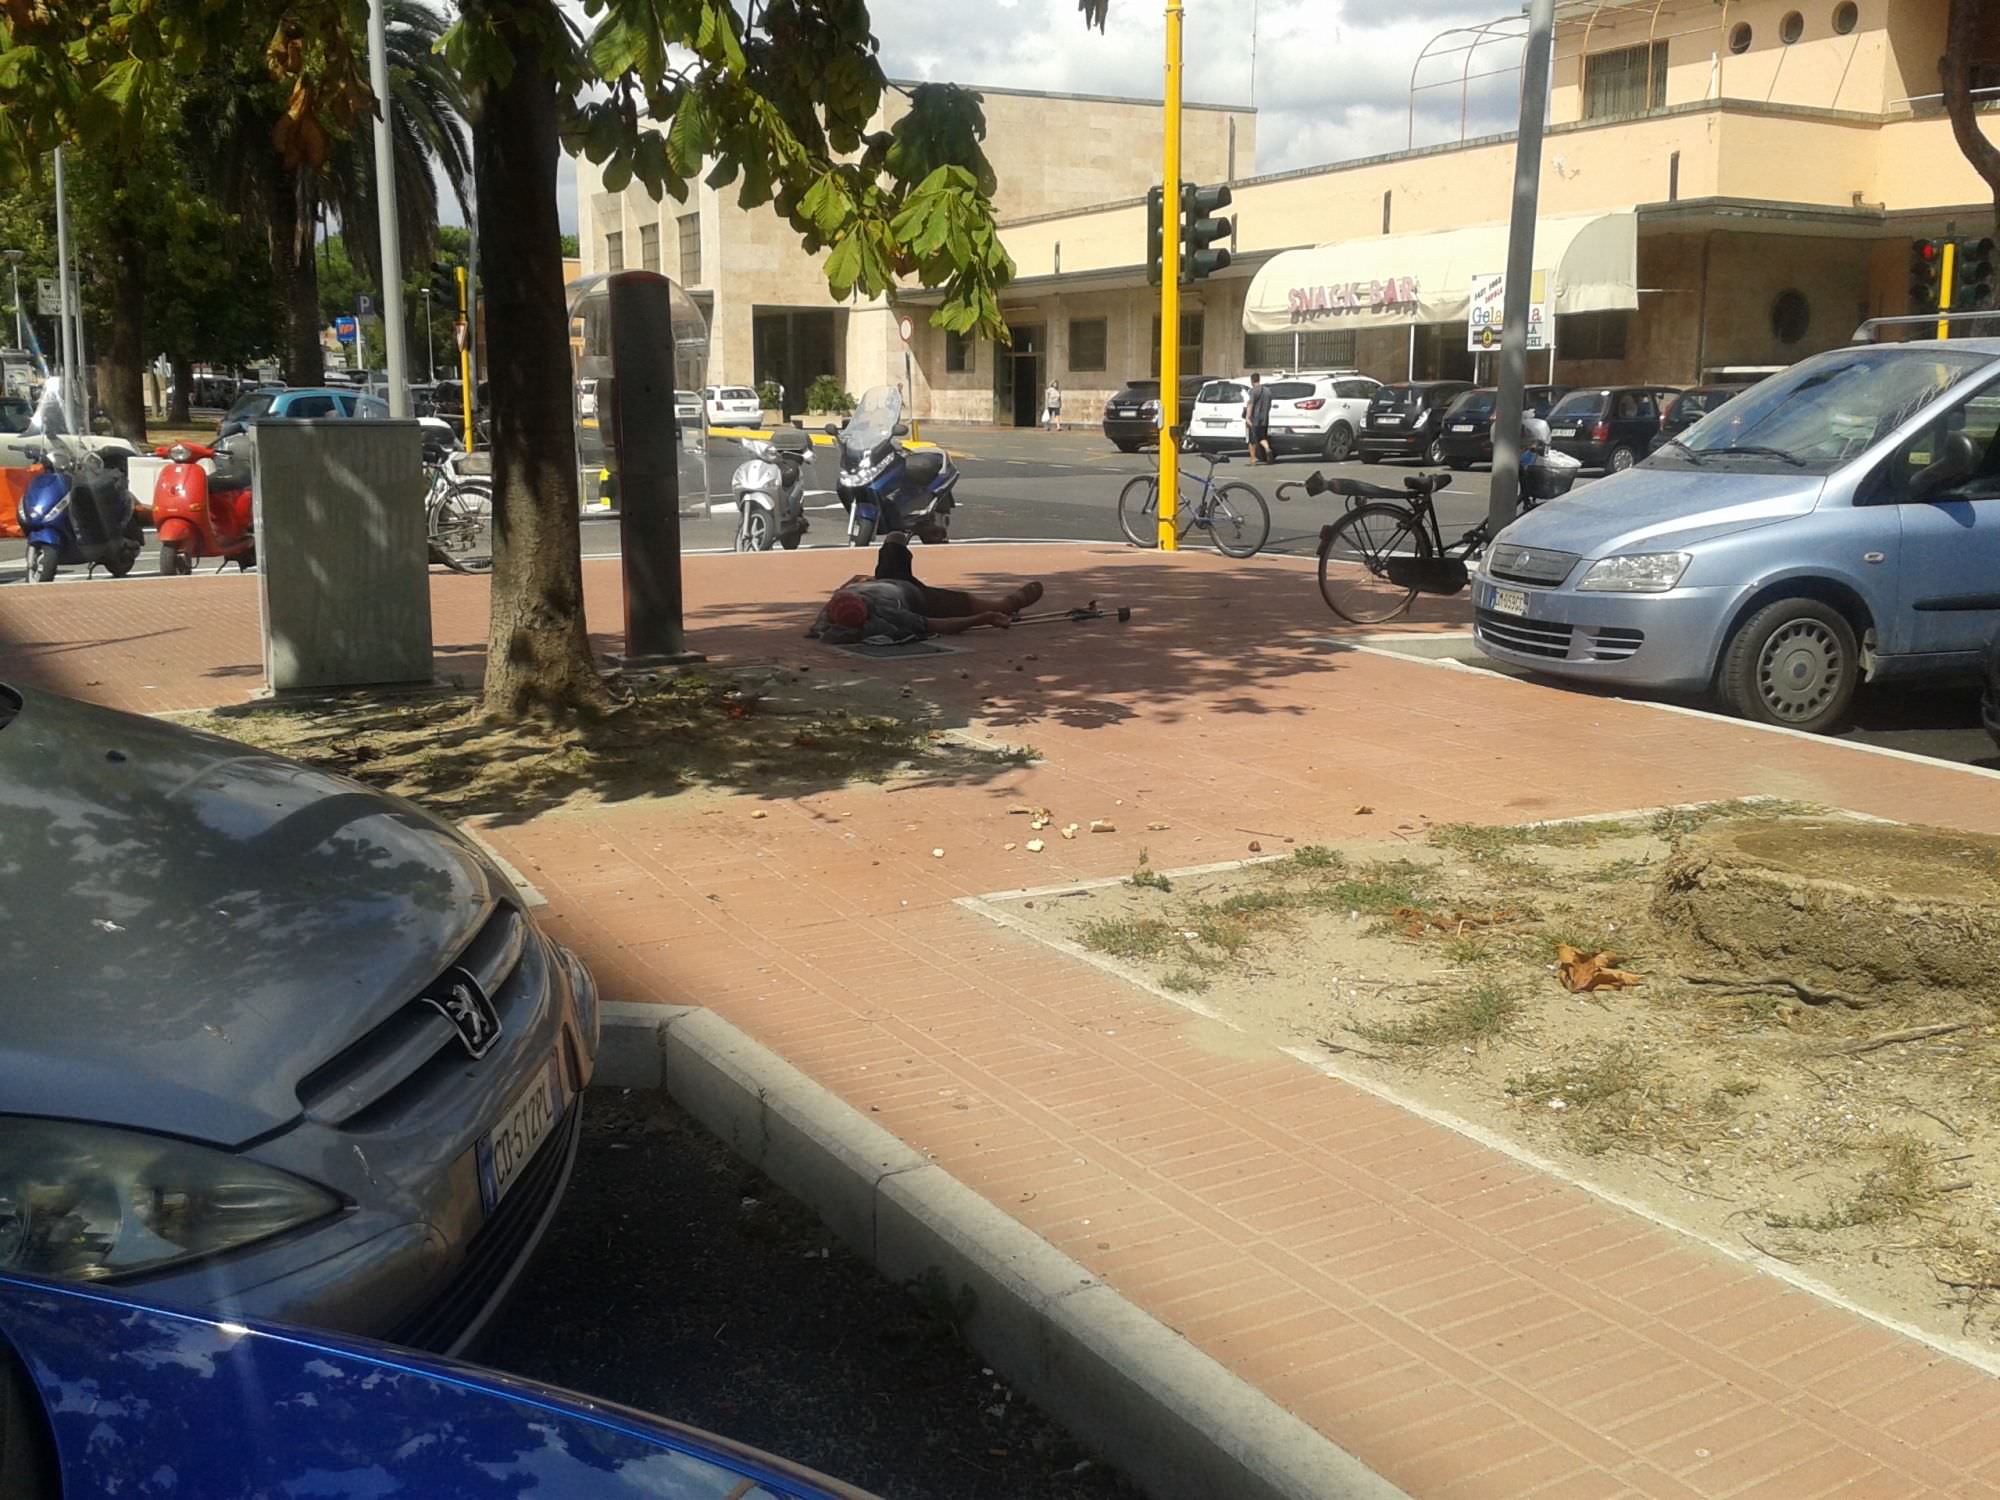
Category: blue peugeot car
[1837,524]
[102,1394]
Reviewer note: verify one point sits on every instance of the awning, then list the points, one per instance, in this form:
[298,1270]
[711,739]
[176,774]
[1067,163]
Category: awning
[1394,280]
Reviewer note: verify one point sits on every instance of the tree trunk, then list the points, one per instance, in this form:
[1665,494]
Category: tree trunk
[295,273]
[178,414]
[121,383]
[1966,33]
[538,653]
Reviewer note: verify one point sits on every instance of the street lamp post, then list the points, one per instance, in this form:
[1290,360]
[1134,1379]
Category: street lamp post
[385,211]
[430,340]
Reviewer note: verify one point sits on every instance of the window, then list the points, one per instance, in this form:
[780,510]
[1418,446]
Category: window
[308,407]
[368,409]
[1190,343]
[1633,405]
[614,251]
[1089,343]
[688,227]
[1354,390]
[958,358]
[1597,335]
[1791,316]
[1740,36]
[1628,81]
[1322,349]
[1846,16]
[649,247]
[1977,422]
[1791,28]
[1291,390]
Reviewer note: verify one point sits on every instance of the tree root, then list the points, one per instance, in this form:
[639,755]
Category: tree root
[1891,1038]
[1809,994]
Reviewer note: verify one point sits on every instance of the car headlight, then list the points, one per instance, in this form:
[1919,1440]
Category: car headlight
[86,1202]
[1637,573]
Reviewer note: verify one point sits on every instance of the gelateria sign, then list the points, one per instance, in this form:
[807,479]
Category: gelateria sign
[1310,304]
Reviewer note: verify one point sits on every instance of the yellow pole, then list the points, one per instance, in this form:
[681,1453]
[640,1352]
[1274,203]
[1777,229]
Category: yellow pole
[1946,270]
[1170,293]
[465,358]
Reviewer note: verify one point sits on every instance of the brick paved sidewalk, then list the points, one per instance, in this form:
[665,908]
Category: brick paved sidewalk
[1464,1324]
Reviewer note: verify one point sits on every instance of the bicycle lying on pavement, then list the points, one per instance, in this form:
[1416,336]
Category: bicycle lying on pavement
[1387,549]
[1234,515]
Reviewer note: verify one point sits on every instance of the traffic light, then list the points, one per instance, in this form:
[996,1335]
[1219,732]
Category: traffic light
[1972,276]
[1926,268]
[1200,229]
[1156,230]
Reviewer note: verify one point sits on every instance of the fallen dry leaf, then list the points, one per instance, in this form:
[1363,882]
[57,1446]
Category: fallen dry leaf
[1255,847]
[1583,974]
[1415,921]
[1156,828]
[1103,825]
[1009,848]
[1364,811]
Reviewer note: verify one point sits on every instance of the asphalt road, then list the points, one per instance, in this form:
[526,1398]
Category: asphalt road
[1037,486]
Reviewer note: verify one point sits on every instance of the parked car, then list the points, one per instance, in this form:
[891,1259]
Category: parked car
[689,411]
[1467,436]
[301,404]
[1215,421]
[1320,413]
[1681,412]
[733,406]
[203,1406]
[1132,416]
[1609,428]
[1405,419]
[16,412]
[287,1048]
[1839,522]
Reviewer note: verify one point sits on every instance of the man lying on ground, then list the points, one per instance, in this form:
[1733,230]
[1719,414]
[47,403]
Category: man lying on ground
[893,606]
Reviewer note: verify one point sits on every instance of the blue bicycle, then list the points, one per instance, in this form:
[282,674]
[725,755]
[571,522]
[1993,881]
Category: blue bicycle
[1234,515]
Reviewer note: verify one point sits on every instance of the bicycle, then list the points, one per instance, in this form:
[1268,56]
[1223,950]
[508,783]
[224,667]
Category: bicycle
[1234,515]
[458,513]
[1388,548]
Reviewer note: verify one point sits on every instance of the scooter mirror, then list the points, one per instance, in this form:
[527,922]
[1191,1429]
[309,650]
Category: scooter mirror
[901,429]
[832,429]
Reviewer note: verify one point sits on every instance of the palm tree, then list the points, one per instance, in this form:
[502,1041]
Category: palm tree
[241,111]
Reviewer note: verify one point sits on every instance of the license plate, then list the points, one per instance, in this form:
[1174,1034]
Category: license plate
[1562,432]
[1510,602]
[524,1125]
[1462,427]
[1388,422]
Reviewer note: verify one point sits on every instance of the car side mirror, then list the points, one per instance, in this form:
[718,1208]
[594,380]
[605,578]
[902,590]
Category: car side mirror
[901,429]
[1957,463]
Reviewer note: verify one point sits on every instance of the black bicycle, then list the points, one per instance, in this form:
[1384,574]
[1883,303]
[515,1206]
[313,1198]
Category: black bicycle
[1234,515]
[1387,549]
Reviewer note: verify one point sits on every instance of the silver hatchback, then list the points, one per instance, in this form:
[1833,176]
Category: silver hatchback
[273,1044]
[1838,523]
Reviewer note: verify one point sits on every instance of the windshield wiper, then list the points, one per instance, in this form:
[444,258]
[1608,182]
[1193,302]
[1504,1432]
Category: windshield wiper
[1693,456]
[1760,451]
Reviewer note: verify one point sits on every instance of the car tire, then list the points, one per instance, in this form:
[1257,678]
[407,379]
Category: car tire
[1795,663]
[1622,458]
[1458,465]
[1339,443]
[1364,456]
[1434,454]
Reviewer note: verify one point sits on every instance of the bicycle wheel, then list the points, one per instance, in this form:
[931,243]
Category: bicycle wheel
[1353,562]
[1239,522]
[1139,511]
[461,526]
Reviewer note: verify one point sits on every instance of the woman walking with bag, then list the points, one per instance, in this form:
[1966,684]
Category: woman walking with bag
[1052,408]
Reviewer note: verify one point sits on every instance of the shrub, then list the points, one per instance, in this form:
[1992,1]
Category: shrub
[828,395]
[767,395]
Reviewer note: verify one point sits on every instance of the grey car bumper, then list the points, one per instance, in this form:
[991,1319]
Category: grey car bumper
[1664,642]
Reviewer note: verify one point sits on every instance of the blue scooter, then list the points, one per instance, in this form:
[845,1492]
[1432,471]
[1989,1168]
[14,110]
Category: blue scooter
[79,508]
[885,486]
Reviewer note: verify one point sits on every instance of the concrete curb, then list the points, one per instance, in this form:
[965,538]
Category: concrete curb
[1174,1420]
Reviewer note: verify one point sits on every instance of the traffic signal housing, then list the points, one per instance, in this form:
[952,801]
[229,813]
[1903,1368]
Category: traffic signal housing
[1200,229]
[1926,275]
[1156,231]
[1972,275]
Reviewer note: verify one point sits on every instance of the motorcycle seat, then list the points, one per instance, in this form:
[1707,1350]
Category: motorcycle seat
[924,466]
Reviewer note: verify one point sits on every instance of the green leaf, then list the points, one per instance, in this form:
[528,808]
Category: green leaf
[691,134]
[827,205]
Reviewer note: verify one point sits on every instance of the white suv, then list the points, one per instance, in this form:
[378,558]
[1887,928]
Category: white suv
[1319,413]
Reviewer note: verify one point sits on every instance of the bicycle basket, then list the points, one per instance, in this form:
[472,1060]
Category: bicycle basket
[1427,575]
[1546,481]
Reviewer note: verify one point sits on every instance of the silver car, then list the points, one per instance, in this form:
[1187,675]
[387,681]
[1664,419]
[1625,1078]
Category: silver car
[1838,523]
[272,1044]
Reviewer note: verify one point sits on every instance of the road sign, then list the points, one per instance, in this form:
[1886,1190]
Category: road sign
[344,329]
[905,327]
[1487,312]
[48,297]
[365,305]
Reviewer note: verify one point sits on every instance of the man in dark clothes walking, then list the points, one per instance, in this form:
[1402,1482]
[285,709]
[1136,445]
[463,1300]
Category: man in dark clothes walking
[1257,421]
[893,606]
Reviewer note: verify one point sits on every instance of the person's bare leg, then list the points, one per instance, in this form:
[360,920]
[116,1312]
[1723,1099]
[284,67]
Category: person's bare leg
[1010,603]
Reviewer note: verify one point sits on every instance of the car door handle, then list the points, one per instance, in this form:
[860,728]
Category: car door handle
[1874,557]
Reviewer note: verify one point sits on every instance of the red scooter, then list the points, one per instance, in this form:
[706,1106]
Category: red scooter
[202,512]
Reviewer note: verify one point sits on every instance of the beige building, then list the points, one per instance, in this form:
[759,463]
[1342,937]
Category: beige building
[1764,165]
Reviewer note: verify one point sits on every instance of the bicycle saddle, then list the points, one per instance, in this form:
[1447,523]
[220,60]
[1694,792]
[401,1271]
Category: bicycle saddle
[1415,484]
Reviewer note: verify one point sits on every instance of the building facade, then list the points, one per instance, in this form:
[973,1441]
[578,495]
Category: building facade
[1766,164]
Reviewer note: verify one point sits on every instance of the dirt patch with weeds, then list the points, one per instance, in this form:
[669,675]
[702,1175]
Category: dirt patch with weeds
[773,733]
[1760,1085]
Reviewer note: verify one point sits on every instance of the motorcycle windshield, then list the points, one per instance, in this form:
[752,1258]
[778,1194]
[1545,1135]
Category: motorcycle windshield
[49,420]
[873,423]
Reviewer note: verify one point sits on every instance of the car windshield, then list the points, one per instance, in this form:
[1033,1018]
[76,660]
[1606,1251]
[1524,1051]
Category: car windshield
[1827,409]
[1291,390]
[873,422]
[1390,398]
[1579,404]
[1474,405]
[738,393]
[1220,393]
[249,407]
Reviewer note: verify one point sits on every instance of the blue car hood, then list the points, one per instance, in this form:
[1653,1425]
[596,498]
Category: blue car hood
[1649,509]
[142,1401]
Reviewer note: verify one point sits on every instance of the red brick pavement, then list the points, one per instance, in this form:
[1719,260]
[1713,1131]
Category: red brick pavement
[1463,1323]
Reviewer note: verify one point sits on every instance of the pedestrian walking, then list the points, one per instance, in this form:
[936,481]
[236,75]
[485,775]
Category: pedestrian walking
[1257,422]
[1052,408]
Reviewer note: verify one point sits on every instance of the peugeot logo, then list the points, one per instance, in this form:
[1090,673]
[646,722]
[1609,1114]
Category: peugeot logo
[459,999]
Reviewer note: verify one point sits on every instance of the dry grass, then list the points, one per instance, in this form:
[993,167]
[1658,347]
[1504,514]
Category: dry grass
[1479,1014]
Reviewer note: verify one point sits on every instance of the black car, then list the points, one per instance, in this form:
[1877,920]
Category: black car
[1132,417]
[1404,420]
[16,412]
[1608,428]
[1467,438]
[1689,407]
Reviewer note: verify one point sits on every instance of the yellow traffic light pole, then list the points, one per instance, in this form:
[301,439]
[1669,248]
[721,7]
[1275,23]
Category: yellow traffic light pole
[465,358]
[1946,267]
[1170,293]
